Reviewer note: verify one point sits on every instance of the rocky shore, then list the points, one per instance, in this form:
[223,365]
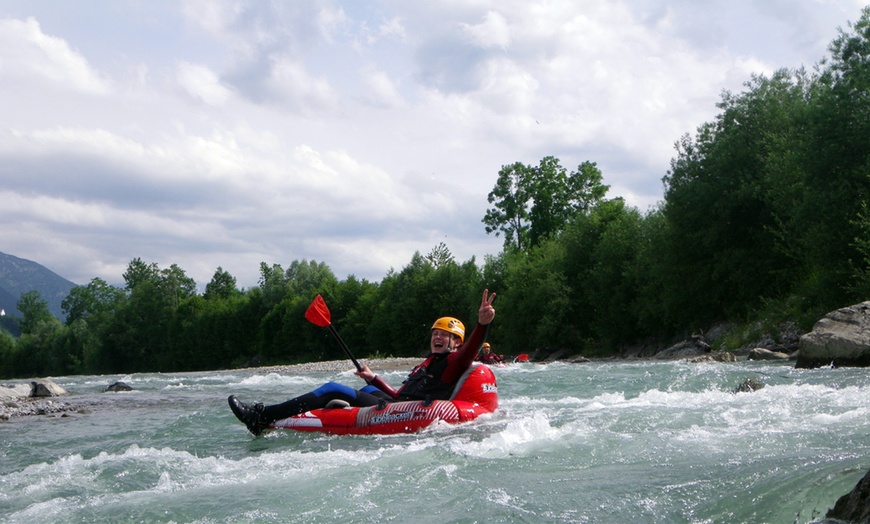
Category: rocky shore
[18,400]
[33,406]
[332,366]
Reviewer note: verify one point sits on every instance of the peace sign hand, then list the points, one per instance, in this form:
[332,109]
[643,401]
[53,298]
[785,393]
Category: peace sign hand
[486,312]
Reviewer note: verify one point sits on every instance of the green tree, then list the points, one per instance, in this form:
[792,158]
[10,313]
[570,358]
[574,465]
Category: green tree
[534,306]
[38,332]
[285,333]
[307,278]
[89,310]
[861,284]
[510,212]
[836,169]
[221,286]
[138,272]
[34,311]
[273,283]
[440,255]
[725,202]
[8,355]
[532,204]
[602,267]
[137,339]
[91,302]
[176,285]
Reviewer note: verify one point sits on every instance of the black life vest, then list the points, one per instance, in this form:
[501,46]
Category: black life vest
[424,382]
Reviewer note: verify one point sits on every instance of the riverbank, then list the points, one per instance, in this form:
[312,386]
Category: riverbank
[333,366]
[64,406]
[39,406]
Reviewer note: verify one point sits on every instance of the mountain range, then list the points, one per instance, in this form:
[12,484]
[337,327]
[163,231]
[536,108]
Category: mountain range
[18,276]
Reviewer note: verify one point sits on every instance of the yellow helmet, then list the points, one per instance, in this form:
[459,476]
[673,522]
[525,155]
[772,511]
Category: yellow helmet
[486,345]
[451,325]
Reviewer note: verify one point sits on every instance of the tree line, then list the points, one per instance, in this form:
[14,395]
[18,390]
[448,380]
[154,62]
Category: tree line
[764,218]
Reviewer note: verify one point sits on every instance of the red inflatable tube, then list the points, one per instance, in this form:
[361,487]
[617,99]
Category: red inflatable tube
[476,394]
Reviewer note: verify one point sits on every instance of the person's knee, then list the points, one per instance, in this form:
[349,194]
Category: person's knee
[334,388]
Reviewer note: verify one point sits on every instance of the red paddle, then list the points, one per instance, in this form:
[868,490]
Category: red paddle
[318,314]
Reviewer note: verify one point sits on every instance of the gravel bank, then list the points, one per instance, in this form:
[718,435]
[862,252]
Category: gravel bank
[21,407]
[329,366]
[38,406]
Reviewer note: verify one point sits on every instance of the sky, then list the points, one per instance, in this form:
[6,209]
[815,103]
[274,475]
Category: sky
[211,133]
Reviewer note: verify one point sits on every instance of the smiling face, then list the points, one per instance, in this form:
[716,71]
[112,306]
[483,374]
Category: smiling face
[442,341]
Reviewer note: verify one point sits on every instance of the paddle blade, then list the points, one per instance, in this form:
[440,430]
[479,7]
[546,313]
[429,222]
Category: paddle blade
[317,313]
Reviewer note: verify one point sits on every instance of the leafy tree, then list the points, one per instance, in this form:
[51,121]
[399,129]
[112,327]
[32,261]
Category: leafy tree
[8,355]
[285,332]
[138,272]
[510,214]
[861,285]
[221,286]
[724,203]
[532,204]
[836,168]
[176,285]
[601,266]
[34,311]
[307,278]
[89,309]
[273,283]
[92,301]
[38,331]
[534,306]
[440,255]
[355,306]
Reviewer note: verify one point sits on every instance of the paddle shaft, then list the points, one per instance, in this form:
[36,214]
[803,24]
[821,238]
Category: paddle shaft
[344,346]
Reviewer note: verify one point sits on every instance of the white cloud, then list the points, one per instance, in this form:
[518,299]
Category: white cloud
[201,83]
[332,22]
[28,53]
[290,82]
[353,133]
[383,91]
[493,31]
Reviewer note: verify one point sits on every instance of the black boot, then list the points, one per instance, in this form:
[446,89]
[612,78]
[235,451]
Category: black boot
[250,416]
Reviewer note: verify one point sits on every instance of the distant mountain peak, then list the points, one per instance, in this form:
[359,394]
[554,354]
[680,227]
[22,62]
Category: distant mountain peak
[19,275]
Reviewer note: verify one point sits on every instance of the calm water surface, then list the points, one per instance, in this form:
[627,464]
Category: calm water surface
[640,442]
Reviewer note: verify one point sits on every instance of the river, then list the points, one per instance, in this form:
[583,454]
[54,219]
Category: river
[602,442]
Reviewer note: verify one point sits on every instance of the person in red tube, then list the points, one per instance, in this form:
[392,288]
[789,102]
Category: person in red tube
[488,357]
[450,355]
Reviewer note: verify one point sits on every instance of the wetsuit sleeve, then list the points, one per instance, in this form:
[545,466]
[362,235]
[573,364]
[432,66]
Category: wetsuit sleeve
[379,383]
[461,359]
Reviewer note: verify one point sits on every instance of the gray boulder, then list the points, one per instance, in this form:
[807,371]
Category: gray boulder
[855,506]
[38,388]
[14,391]
[717,356]
[684,349]
[748,386]
[840,338]
[117,386]
[766,354]
[45,388]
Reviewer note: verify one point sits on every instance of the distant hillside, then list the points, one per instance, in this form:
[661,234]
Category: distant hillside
[18,276]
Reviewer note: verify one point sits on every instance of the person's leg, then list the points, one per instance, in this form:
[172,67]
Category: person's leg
[377,394]
[318,398]
[258,416]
